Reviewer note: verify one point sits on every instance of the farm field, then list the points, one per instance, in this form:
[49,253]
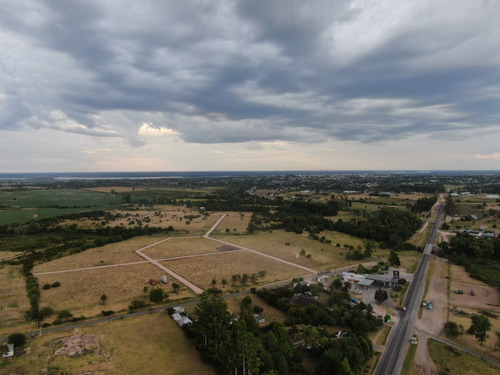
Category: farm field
[13,299]
[202,270]
[80,291]
[161,348]
[176,247]
[115,253]
[23,206]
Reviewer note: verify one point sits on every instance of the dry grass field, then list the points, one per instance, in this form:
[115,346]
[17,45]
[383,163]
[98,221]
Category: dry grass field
[13,299]
[115,253]
[236,222]
[148,344]
[470,341]
[484,294]
[180,218]
[202,270]
[176,247]
[80,291]
[323,256]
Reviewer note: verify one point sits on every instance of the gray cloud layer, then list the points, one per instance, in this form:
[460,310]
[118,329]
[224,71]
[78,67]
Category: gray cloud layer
[237,71]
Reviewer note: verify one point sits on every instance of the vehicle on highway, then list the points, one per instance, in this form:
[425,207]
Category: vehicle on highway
[401,307]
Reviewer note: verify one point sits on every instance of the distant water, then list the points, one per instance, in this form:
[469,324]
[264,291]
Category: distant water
[198,174]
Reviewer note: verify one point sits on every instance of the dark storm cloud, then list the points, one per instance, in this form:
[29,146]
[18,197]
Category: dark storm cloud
[218,71]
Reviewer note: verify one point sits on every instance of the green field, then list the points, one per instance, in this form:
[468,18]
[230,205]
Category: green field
[23,206]
[449,360]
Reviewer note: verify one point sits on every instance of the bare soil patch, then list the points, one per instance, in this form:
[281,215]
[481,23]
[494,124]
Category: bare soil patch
[227,248]
[202,270]
[80,291]
[271,314]
[76,345]
[433,321]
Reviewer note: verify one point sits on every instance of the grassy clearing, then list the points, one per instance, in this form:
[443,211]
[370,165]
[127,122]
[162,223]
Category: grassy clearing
[235,222]
[13,300]
[409,363]
[80,291]
[202,270]
[115,253]
[161,348]
[322,256]
[449,360]
[271,314]
[380,337]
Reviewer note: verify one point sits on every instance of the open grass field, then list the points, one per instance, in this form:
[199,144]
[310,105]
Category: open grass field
[449,360]
[176,247]
[13,299]
[380,337]
[202,270]
[160,348]
[409,367]
[115,253]
[80,291]
[236,222]
[323,256]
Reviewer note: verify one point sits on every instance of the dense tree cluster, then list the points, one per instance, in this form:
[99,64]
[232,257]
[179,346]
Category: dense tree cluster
[479,256]
[424,204]
[388,226]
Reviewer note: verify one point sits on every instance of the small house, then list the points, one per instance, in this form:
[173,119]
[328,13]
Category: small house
[259,319]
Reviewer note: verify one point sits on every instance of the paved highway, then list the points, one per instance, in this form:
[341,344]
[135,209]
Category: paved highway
[394,354]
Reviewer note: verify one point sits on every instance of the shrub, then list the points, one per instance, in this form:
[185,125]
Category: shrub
[18,339]
[55,284]
[46,286]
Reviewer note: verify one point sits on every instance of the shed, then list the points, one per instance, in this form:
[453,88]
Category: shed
[259,319]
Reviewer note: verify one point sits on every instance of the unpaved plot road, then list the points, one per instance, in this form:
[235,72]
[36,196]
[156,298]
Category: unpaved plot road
[432,322]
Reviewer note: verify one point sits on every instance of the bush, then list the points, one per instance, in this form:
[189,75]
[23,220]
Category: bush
[451,329]
[46,286]
[156,295]
[55,284]
[136,304]
[18,339]
[107,313]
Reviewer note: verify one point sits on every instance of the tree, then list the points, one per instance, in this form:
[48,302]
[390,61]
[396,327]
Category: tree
[212,326]
[18,339]
[64,314]
[176,287]
[451,329]
[394,259]
[156,295]
[497,343]
[214,283]
[145,289]
[103,299]
[224,283]
[381,295]
[480,325]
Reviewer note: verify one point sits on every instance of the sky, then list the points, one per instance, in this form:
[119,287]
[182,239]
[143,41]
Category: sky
[106,85]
